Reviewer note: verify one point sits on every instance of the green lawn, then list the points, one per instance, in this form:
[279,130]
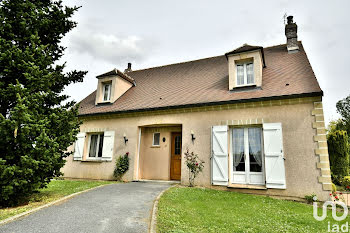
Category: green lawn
[55,190]
[183,209]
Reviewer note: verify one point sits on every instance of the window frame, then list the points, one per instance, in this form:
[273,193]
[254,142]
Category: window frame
[247,171]
[109,94]
[98,146]
[245,76]
[158,140]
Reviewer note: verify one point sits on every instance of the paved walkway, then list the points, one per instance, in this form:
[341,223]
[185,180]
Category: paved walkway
[112,208]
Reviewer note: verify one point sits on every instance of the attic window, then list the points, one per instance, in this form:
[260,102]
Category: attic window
[107,91]
[245,74]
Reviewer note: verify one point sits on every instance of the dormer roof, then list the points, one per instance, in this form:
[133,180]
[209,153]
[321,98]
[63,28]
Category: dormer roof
[117,72]
[247,48]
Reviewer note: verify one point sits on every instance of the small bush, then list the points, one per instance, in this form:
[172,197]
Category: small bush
[311,198]
[122,166]
[338,149]
[194,165]
[345,182]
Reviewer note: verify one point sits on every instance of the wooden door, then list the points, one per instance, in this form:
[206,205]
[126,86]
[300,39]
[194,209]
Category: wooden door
[175,166]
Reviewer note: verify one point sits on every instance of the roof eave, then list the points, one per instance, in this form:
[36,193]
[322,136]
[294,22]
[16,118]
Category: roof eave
[249,50]
[118,73]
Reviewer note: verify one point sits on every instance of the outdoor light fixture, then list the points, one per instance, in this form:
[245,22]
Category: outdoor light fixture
[125,139]
[192,135]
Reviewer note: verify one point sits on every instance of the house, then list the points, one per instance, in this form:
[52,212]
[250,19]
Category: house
[253,115]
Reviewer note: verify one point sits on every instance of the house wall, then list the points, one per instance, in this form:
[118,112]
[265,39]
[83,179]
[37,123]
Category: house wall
[155,160]
[237,58]
[299,134]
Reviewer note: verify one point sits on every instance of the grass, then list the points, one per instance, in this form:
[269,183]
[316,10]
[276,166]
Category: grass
[54,191]
[183,209]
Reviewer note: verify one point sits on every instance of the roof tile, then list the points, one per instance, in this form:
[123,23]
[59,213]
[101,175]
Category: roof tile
[206,81]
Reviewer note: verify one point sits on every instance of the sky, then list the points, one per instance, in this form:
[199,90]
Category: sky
[111,33]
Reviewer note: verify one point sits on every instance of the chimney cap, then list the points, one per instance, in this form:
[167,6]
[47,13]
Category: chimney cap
[290,19]
[129,68]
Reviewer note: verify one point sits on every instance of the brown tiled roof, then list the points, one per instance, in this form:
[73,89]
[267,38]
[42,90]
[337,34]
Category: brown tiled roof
[117,72]
[205,81]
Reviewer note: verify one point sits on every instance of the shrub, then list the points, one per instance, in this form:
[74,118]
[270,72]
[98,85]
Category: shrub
[338,149]
[337,196]
[310,198]
[122,166]
[345,182]
[194,165]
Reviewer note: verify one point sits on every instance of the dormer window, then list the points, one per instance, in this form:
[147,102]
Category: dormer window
[245,74]
[245,67]
[107,91]
[112,85]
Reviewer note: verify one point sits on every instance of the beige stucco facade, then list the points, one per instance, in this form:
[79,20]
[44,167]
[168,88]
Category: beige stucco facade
[306,160]
[252,56]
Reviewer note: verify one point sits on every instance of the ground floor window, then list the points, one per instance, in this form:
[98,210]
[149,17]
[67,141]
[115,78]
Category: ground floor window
[247,156]
[95,145]
[156,139]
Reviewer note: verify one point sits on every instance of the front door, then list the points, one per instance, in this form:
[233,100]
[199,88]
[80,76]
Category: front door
[247,156]
[175,166]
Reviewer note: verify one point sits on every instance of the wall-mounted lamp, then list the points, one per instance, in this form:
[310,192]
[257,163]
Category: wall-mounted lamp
[125,139]
[192,136]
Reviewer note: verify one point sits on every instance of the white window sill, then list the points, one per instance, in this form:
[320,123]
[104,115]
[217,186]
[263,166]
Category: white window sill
[155,146]
[247,85]
[247,186]
[96,160]
[105,102]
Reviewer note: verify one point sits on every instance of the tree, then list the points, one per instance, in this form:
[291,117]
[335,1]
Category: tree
[338,149]
[343,108]
[335,125]
[37,122]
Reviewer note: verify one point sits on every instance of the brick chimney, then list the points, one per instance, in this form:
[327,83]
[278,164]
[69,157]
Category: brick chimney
[291,34]
[128,69]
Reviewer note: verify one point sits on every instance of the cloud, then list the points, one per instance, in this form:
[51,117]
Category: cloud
[109,47]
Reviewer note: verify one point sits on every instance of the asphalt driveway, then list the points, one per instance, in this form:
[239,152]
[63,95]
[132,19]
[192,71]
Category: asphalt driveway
[112,208]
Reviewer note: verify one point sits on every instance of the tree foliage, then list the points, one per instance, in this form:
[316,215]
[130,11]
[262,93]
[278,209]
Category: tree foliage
[335,125]
[37,122]
[343,108]
[338,149]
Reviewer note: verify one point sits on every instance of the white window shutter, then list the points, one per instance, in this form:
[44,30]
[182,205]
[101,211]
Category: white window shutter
[274,159]
[79,147]
[108,145]
[219,159]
